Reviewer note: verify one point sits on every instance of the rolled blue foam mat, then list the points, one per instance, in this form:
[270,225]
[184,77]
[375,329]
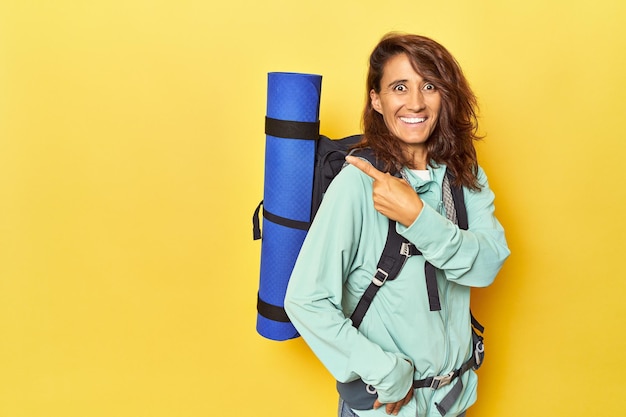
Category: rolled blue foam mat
[292,129]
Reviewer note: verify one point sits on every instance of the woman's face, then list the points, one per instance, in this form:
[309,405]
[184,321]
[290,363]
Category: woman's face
[409,104]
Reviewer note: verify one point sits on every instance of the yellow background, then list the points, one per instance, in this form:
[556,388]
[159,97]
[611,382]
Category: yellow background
[131,159]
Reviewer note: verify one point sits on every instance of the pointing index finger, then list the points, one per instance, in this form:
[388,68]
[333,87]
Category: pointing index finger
[367,168]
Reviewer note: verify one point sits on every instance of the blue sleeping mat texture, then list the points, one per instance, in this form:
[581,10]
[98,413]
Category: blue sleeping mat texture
[293,102]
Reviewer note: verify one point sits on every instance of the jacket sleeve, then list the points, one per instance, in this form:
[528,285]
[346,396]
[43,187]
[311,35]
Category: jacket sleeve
[470,257]
[315,293]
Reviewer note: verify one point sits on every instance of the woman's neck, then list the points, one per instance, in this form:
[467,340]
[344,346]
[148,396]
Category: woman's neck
[419,156]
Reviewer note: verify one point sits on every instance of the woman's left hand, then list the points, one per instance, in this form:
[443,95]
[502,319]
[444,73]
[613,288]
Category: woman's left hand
[393,197]
[394,408]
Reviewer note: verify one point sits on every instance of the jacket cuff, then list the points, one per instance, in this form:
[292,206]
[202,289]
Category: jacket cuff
[396,384]
[428,228]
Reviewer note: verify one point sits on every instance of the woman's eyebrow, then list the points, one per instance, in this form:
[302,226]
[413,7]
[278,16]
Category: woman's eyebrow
[391,84]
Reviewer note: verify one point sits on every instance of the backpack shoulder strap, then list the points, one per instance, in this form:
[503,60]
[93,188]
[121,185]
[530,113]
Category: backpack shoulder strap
[395,253]
[462,220]
[458,202]
[456,212]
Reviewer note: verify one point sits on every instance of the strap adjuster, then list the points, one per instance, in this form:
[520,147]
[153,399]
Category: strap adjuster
[380,277]
[441,381]
[479,350]
[405,249]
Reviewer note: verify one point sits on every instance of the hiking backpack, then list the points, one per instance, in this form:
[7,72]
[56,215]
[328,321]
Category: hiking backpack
[329,160]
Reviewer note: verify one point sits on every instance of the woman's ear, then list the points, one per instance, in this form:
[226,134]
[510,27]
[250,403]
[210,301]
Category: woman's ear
[375,99]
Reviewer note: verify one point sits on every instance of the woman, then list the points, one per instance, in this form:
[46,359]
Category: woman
[420,121]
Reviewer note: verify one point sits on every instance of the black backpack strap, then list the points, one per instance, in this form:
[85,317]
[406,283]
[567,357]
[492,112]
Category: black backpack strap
[395,253]
[463,223]
[430,272]
[475,324]
[459,204]
[456,214]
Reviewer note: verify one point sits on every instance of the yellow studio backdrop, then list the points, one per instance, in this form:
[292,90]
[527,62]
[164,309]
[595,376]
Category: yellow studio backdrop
[131,159]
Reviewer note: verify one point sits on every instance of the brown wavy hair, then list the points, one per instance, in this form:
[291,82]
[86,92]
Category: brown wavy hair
[452,141]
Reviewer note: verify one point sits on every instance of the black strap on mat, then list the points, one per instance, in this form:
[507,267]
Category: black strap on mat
[283,221]
[256,223]
[270,311]
[291,129]
[276,219]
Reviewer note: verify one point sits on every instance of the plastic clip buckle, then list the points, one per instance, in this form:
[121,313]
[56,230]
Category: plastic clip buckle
[441,381]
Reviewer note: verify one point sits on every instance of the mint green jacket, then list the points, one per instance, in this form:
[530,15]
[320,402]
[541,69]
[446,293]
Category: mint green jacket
[400,339]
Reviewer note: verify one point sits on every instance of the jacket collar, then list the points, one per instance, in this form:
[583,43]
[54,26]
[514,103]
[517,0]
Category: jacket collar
[421,186]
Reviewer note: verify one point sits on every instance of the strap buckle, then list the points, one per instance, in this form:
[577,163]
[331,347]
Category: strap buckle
[380,277]
[405,249]
[441,381]
[479,353]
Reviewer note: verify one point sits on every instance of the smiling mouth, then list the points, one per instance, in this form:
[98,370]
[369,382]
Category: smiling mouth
[413,120]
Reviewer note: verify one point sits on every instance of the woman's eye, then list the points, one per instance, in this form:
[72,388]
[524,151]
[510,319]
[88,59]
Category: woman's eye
[429,87]
[400,87]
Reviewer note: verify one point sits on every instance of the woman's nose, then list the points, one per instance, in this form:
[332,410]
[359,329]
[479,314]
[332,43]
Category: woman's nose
[415,100]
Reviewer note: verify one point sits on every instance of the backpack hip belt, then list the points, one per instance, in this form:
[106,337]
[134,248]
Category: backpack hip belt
[361,396]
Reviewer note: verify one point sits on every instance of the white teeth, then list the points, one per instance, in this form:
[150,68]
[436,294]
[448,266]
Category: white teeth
[413,119]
